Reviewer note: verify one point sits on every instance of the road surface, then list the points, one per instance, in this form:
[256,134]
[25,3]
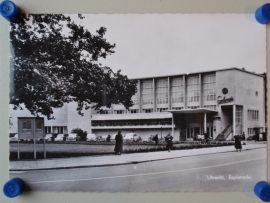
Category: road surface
[214,172]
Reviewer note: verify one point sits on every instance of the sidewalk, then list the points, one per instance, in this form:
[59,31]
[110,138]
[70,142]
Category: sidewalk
[111,160]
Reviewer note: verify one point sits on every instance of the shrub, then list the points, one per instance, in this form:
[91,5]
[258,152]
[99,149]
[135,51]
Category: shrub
[80,133]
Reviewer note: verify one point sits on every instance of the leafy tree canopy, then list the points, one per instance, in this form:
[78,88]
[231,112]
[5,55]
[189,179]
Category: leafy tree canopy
[55,61]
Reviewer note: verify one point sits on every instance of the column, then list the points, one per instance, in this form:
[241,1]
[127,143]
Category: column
[172,125]
[169,94]
[234,110]
[139,96]
[185,91]
[200,88]
[204,122]
[154,96]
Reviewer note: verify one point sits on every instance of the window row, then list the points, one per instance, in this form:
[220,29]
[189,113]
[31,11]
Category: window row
[55,129]
[253,115]
[131,123]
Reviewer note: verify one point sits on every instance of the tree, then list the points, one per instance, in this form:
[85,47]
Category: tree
[55,61]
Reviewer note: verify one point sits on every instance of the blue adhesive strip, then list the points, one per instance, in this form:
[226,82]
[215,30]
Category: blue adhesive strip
[262,14]
[13,187]
[9,10]
[262,190]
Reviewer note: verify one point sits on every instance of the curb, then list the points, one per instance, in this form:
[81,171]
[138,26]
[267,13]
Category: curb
[127,163]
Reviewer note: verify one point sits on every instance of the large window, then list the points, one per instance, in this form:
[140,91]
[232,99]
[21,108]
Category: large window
[147,92]
[238,119]
[177,89]
[209,87]
[162,91]
[135,97]
[59,129]
[193,88]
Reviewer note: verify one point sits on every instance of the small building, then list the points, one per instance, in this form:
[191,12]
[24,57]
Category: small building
[221,102]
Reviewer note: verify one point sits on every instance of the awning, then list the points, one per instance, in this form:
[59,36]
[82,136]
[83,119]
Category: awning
[187,111]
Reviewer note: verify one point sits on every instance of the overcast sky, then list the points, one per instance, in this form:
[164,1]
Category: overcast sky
[165,44]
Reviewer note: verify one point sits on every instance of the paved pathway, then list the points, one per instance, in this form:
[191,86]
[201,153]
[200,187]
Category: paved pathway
[109,160]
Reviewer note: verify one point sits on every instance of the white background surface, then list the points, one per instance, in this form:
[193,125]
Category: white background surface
[108,7]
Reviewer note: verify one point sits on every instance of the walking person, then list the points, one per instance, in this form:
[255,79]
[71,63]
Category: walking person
[206,137]
[237,143]
[118,144]
[155,138]
[168,140]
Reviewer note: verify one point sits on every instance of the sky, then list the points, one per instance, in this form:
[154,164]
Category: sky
[167,44]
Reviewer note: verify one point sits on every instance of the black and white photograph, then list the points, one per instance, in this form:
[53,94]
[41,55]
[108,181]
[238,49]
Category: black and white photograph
[138,102]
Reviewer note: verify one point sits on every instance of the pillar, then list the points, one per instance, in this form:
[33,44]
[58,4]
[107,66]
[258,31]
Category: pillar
[204,122]
[172,125]
[234,111]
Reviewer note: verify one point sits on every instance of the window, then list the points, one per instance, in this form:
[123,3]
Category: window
[253,115]
[193,107]
[48,129]
[147,92]
[251,131]
[162,91]
[134,111]
[105,111]
[238,119]
[177,90]
[119,111]
[59,129]
[238,115]
[135,97]
[209,87]
[177,108]
[193,89]
[147,110]
[212,107]
[161,109]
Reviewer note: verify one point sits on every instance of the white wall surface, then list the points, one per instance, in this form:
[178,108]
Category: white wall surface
[109,7]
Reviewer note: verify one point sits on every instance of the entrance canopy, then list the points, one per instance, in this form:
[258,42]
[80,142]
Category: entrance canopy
[186,111]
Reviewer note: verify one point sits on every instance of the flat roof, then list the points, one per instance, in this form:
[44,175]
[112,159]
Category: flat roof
[187,111]
[209,71]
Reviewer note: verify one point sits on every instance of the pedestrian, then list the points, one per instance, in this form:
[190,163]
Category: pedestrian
[168,140]
[244,138]
[108,139]
[156,139]
[119,143]
[205,137]
[237,143]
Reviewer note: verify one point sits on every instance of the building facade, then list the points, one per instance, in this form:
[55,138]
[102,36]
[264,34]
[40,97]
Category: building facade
[223,103]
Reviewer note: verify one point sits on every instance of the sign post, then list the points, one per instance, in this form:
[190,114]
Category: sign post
[31,128]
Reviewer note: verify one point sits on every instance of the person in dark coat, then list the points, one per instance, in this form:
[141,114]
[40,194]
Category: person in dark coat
[237,143]
[119,143]
[108,139]
[155,138]
[168,140]
[206,137]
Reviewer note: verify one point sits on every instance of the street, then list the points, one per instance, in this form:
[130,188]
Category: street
[195,173]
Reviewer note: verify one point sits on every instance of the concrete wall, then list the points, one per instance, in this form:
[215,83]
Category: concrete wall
[248,84]
[74,120]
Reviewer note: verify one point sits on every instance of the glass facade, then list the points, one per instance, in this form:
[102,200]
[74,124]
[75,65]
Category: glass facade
[238,119]
[162,91]
[193,88]
[209,87]
[177,90]
[147,92]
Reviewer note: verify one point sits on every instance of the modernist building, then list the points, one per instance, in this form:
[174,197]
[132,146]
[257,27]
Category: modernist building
[222,102]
